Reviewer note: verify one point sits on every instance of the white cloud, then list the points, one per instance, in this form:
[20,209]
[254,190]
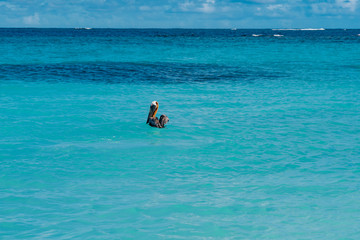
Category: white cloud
[186,6]
[349,4]
[10,6]
[338,7]
[7,5]
[277,7]
[273,10]
[208,6]
[32,19]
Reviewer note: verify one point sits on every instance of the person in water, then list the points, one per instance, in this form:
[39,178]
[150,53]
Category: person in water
[152,120]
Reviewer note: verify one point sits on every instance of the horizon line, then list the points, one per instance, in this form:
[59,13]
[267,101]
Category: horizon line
[180,28]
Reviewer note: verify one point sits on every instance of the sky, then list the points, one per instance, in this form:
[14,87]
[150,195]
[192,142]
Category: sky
[181,13]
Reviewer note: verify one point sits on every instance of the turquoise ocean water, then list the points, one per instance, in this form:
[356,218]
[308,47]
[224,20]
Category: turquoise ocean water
[263,140]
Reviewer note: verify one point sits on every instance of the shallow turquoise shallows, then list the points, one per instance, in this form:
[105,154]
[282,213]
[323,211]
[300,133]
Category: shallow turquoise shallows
[263,140]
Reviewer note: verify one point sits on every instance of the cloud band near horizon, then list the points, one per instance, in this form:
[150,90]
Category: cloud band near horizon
[181,14]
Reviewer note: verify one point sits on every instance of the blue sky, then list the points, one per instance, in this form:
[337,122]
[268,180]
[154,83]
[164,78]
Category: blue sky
[181,13]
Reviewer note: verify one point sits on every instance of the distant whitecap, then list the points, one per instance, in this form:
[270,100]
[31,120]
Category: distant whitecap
[312,29]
